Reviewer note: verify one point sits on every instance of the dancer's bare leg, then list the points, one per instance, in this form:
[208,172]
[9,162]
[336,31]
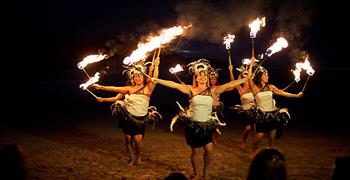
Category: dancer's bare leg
[245,134]
[257,139]
[194,162]
[216,136]
[138,142]
[271,136]
[207,157]
[129,148]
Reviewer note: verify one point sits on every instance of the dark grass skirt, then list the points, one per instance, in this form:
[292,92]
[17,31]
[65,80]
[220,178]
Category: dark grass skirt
[133,125]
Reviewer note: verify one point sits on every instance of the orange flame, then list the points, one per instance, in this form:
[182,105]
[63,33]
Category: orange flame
[246,61]
[277,46]
[308,67]
[228,40]
[176,69]
[92,80]
[255,26]
[300,66]
[90,59]
[297,72]
[154,42]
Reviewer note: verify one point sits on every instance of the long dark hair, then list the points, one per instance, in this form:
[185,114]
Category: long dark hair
[258,75]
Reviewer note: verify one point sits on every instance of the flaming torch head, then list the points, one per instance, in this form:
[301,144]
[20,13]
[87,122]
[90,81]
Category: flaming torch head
[255,26]
[176,69]
[306,65]
[228,40]
[153,42]
[296,72]
[90,59]
[92,80]
[277,46]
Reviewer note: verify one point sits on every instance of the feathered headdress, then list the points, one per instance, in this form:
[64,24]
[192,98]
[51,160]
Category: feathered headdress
[137,67]
[199,66]
[215,72]
[243,69]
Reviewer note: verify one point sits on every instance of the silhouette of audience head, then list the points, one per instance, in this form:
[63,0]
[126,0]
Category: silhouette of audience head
[268,164]
[176,176]
[341,168]
[12,162]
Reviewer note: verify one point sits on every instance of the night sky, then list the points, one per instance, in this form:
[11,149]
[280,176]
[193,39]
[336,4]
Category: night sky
[45,41]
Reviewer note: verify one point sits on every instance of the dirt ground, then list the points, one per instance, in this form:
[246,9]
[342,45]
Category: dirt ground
[93,148]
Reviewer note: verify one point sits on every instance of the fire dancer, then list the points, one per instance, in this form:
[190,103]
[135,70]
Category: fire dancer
[247,108]
[218,106]
[199,120]
[269,118]
[134,112]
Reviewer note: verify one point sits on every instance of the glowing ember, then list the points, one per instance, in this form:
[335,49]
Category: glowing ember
[90,59]
[255,26]
[92,80]
[228,40]
[277,46]
[176,69]
[154,42]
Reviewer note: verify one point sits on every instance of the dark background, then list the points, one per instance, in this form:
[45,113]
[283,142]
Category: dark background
[44,41]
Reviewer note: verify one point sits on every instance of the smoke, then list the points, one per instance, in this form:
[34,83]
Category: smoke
[293,20]
[212,20]
[122,44]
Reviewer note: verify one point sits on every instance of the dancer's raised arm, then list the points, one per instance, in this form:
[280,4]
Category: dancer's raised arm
[171,84]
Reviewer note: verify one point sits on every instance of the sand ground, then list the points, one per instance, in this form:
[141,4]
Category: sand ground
[93,148]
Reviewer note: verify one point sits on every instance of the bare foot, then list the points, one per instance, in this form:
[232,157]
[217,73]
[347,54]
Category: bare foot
[131,162]
[138,162]
[205,177]
[195,177]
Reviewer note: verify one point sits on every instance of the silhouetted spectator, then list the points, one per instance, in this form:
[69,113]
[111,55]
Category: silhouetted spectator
[12,162]
[268,164]
[341,169]
[176,176]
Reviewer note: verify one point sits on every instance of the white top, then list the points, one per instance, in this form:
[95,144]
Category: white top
[137,104]
[265,101]
[200,108]
[247,100]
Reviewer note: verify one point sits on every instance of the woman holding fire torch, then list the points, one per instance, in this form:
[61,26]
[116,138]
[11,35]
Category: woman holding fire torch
[134,112]
[268,118]
[247,108]
[198,121]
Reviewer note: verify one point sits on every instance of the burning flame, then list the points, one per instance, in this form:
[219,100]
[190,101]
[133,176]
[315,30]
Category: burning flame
[255,26]
[247,61]
[176,69]
[296,72]
[92,80]
[277,46]
[300,66]
[308,67]
[228,40]
[90,59]
[154,42]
